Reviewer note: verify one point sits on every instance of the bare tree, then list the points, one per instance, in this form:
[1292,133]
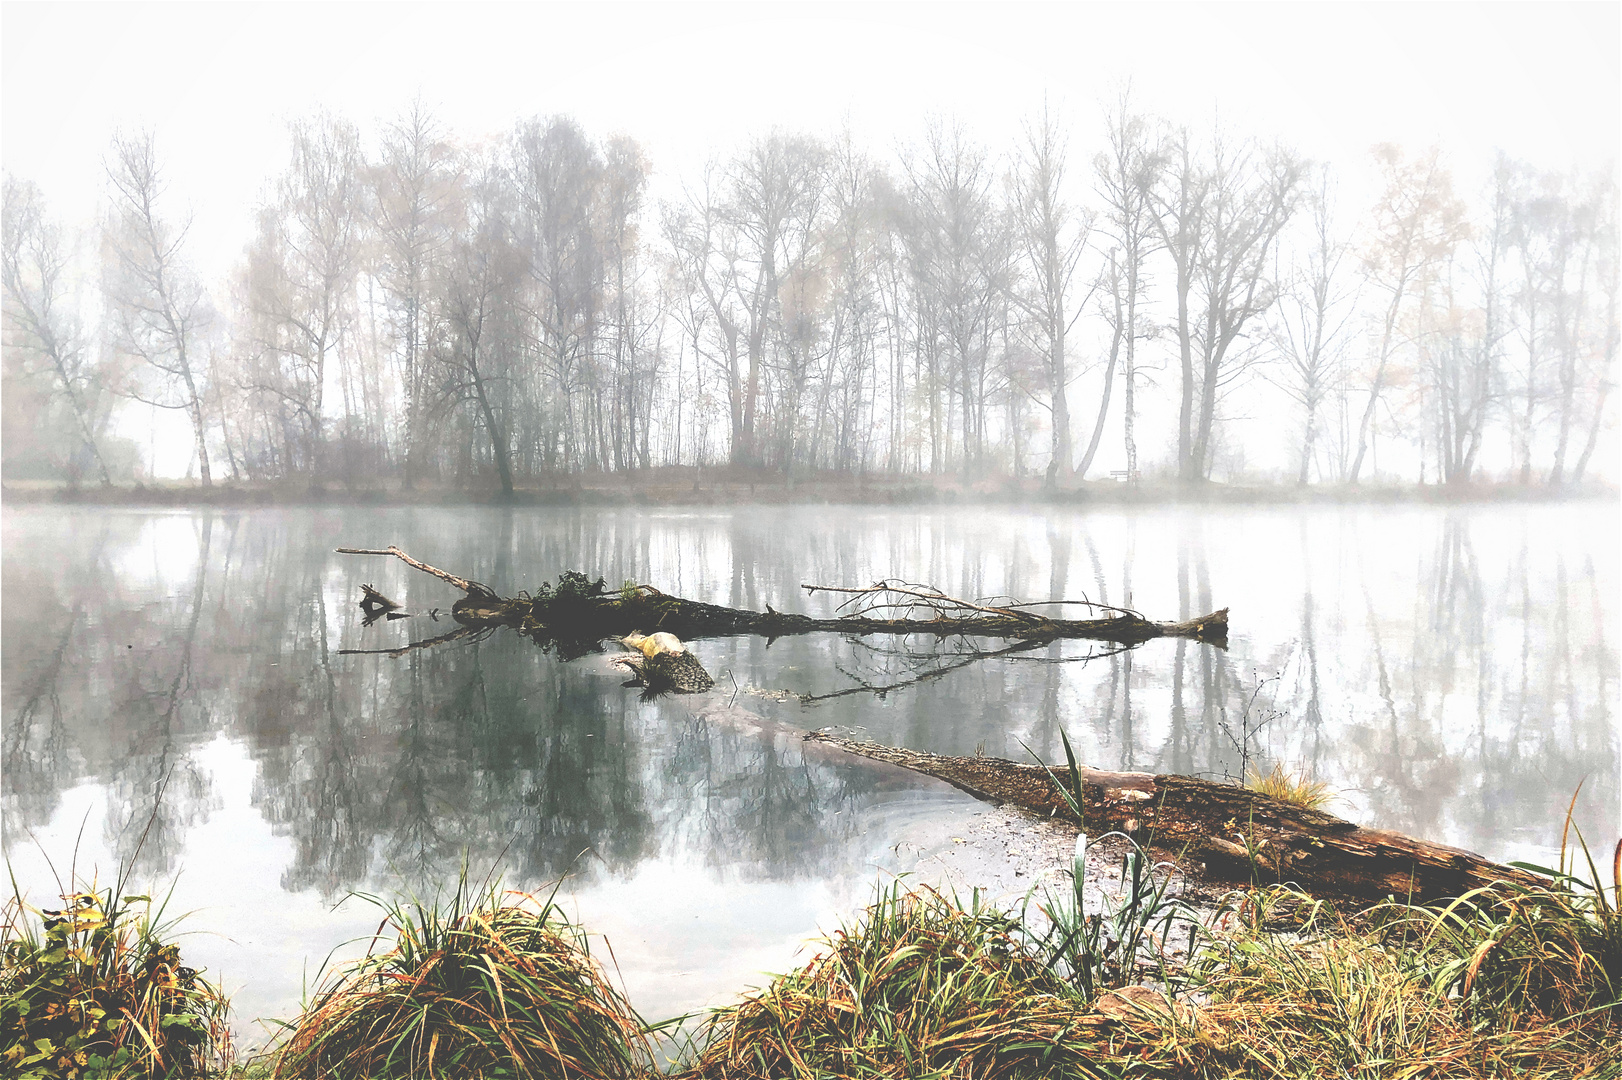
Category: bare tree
[39,321]
[557,175]
[1219,220]
[1125,175]
[1314,311]
[962,255]
[159,307]
[1605,332]
[1463,361]
[1179,199]
[479,288]
[303,269]
[1580,318]
[413,182]
[625,178]
[1053,236]
[1417,223]
[736,240]
[846,401]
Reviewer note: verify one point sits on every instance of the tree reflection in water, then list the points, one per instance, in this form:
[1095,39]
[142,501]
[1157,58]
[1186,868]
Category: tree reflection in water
[1448,692]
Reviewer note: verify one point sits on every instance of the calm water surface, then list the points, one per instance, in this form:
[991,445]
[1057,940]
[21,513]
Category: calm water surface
[1453,673]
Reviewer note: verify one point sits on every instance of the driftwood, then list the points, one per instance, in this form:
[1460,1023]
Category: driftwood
[580,609]
[1236,832]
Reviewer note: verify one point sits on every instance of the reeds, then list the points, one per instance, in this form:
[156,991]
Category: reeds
[485,984]
[1509,980]
[1128,933]
[98,989]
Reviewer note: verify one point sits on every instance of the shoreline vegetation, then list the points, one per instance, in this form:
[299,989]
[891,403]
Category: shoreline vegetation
[1244,936]
[1519,976]
[734,486]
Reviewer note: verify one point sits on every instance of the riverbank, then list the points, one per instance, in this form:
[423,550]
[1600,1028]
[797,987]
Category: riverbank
[728,486]
[1105,965]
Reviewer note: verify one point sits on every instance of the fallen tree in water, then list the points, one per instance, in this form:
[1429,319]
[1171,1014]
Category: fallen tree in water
[579,609]
[1238,833]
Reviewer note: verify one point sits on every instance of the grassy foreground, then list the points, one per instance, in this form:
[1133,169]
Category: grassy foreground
[97,989]
[1506,981]
[505,986]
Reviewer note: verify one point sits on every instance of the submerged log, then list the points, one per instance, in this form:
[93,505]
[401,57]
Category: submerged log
[581,609]
[1238,833]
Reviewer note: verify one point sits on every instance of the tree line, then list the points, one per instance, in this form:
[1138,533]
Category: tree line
[414,308]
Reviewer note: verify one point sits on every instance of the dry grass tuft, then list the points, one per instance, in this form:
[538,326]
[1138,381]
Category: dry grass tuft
[502,988]
[1334,1002]
[920,987]
[1292,789]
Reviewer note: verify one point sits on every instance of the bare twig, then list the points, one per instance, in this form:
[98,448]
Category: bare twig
[963,660]
[427,643]
[1083,602]
[472,588]
[909,596]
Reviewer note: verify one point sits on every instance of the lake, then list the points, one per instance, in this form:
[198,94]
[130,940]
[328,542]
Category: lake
[183,677]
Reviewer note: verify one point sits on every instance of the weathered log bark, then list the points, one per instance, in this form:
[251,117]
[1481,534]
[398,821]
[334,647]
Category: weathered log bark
[1235,831]
[585,610]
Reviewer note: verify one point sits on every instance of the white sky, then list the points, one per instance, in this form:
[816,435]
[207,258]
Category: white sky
[217,82]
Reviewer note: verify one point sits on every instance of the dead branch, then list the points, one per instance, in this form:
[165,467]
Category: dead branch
[582,610]
[1235,831]
[472,588]
[908,597]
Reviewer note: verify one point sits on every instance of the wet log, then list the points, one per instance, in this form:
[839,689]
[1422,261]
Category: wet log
[581,609]
[1237,833]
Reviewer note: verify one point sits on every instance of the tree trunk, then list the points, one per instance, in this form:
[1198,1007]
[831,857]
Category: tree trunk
[1235,831]
[1306,447]
[1593,433]
[1109,378]
[1185,411]
[1062,450]
[498,441]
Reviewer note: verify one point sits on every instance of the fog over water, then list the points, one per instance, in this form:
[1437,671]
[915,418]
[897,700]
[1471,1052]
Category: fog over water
[1452,673]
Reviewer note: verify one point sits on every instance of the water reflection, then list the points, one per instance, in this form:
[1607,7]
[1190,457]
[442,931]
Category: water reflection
[1452,672]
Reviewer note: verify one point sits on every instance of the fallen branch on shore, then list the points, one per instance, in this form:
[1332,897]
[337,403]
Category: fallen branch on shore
[579,609]
[1233,830]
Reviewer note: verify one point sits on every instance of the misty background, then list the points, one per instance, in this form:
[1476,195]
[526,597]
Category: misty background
[485,246]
